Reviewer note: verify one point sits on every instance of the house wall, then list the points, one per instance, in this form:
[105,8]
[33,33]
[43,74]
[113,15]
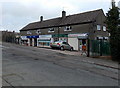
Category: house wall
[84,28]
[100,20]
[90,28]
[28,42]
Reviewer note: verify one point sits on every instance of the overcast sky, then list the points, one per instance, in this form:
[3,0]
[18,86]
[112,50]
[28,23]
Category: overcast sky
[16,14]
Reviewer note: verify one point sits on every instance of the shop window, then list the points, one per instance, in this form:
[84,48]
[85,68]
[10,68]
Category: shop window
[104,28]
[51,30]
[98,27]
[68,28]
[38,31]
[56,39]
[84,41]
[28,32]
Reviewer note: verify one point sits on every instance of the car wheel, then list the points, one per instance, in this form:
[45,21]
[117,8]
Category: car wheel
[52,47]
[62,48]
[71,49]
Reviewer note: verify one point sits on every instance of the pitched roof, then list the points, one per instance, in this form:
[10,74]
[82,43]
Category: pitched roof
[68,20]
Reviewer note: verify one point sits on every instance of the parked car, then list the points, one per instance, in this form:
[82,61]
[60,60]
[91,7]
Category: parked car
[61,45]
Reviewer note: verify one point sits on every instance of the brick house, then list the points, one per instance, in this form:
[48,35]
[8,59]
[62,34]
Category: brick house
[75,29]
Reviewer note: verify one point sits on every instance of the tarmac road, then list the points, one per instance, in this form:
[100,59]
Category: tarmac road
[31,66]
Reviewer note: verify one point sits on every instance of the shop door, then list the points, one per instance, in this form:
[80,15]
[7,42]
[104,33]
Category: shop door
[35,42]
[30,41]
[80,46]
[82,42]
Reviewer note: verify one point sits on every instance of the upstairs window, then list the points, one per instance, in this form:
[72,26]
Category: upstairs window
[68,28]
[28,32]
[98,27]
[51,30]
[104,28]
[38,31]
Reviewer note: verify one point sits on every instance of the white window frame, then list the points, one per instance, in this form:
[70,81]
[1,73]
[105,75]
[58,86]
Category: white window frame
[104,28]
[28,32]
[51,29]
[98,27]
[68,27]
[38,31]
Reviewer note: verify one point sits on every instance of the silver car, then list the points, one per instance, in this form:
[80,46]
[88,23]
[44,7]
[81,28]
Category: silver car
[61,45]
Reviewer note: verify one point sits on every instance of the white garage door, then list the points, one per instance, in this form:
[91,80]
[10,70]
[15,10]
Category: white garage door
[73,42]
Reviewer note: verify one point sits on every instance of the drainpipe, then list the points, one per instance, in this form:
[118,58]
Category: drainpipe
[88,47]
[58,33]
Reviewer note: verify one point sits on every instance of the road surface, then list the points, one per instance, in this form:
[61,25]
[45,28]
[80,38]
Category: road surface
[32,66]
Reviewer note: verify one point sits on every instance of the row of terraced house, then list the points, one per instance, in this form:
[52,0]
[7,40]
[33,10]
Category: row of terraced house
[75,29]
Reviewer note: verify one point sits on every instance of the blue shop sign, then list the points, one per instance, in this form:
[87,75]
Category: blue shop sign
[37,36]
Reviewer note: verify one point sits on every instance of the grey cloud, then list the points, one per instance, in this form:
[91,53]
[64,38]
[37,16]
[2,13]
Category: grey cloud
[16,15]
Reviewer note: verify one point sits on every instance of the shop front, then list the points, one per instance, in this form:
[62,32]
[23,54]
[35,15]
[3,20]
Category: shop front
[32,40]
[60,37]
[24,40]
[44,40]
[78,40]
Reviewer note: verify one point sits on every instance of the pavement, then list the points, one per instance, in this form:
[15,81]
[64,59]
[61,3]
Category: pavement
[102,61]
[111,68]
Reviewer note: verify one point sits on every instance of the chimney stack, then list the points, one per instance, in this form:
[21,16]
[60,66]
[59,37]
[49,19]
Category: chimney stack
[113,3]
[63,14]
[41,18]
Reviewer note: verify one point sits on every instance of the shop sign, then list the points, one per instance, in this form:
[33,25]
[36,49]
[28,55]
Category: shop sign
[82,37]
[106,38]
[60,35]
[24,37]
[37,36]
[45,36]
[44,40]
[78,35]
[99,37]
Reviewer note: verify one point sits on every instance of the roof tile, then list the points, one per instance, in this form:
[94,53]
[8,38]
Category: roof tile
[68,20]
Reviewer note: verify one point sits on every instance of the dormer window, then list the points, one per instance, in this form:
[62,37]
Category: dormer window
[51,30]
[68,28]
[28,32]
[38,31]
[98,27]
[104,28]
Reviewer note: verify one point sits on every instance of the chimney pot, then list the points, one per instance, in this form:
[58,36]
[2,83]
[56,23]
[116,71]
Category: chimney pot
[41,18]
[63,14]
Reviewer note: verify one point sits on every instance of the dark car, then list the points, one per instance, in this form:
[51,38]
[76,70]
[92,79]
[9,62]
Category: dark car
[61,45]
